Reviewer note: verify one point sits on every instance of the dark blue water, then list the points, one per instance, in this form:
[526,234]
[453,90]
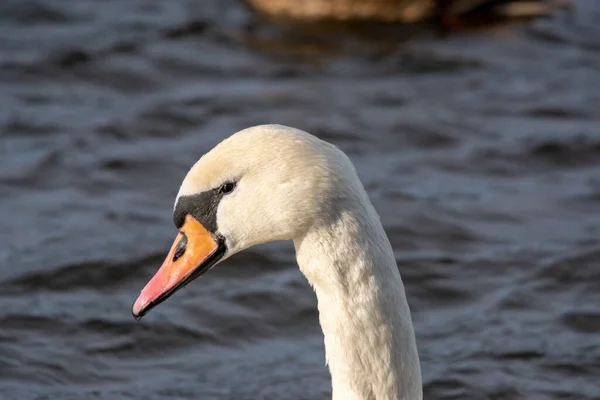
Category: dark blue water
[480,150]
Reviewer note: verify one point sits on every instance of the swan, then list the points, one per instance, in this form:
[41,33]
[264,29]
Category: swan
[272,182]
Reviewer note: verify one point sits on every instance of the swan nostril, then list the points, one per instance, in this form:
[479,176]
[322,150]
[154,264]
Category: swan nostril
[180,247]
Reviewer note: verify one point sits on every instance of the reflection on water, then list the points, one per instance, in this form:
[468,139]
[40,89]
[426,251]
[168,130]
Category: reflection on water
[480,151]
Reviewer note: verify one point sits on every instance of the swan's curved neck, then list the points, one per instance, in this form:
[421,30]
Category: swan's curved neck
[369,338]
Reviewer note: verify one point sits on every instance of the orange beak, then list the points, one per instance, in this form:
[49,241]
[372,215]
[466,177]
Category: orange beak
[193,253]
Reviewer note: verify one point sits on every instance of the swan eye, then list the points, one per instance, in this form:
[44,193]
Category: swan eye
[227,187]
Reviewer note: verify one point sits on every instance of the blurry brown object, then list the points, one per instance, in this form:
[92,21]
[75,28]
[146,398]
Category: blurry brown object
[405,11]
[346,10]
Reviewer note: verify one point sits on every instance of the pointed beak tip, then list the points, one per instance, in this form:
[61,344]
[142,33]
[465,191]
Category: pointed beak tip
[139,308]
[137,317]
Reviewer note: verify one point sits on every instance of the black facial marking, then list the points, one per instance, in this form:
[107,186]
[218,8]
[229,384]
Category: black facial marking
[202,206]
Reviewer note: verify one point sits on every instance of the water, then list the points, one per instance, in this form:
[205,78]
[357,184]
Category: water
[480,150]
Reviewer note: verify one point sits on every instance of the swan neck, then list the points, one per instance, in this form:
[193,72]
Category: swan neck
[369,338]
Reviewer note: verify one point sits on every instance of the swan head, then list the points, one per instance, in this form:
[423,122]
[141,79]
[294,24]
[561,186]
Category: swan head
[262,184]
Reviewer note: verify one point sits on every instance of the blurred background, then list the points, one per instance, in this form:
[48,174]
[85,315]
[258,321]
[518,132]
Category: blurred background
[476,133]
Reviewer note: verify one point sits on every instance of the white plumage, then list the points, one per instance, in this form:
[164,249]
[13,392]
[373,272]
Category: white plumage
[294,186]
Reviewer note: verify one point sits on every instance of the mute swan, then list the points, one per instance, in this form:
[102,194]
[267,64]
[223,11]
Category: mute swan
[273,182]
